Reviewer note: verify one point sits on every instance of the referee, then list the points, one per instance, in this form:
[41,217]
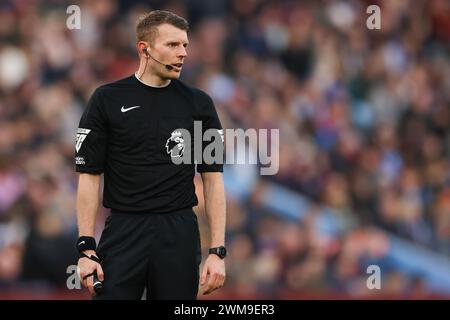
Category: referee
[127,132]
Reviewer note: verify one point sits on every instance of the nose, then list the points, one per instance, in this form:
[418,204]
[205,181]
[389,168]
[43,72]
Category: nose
[183,52]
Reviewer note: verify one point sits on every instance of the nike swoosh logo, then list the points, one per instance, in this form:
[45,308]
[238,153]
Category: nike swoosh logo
[128,109]
[81,242]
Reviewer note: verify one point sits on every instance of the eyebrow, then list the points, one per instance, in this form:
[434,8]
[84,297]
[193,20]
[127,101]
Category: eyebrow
[175,41]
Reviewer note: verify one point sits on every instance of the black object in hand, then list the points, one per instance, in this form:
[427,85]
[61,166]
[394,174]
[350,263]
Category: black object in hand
[98,285]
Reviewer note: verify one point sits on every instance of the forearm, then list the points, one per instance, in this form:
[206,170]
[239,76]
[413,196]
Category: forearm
[214,194]
[88,202]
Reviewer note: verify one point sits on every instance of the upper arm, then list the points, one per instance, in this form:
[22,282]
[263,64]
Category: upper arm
[207,114]
[91,139]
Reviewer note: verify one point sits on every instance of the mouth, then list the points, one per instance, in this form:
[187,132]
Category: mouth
[177,65]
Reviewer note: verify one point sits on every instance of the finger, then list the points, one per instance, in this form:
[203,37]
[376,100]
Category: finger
[80,277]
[90,285]
[84,282]
[83,279]
[204,275]
[100,274]
[211,281]
[215,285]
[219,281]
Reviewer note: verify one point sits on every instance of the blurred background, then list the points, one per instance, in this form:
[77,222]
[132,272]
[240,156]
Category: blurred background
[364,119]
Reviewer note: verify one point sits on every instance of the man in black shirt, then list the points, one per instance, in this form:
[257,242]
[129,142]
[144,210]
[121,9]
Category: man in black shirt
[129,132]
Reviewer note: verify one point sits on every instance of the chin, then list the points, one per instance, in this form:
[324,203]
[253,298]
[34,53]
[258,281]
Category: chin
[173,75]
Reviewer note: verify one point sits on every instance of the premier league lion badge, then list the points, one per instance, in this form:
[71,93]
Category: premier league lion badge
[175,144]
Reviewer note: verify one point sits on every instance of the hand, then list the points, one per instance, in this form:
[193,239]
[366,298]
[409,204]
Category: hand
[214,270]
[86,267]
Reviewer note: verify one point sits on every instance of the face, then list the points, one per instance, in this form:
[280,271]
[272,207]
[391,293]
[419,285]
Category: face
[169,47]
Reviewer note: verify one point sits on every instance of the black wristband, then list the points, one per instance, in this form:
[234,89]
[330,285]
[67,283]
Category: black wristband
[86,243]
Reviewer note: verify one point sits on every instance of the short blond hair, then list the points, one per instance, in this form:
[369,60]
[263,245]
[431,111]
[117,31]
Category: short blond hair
[146,28]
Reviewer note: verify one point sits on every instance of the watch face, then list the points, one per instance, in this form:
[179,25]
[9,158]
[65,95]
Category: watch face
[222,252]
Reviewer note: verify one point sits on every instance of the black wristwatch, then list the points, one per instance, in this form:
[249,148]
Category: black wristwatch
[220,251]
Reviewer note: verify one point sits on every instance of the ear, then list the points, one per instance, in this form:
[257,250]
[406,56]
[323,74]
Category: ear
[140,47]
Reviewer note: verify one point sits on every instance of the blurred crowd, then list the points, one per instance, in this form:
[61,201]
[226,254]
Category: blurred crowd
[364,119]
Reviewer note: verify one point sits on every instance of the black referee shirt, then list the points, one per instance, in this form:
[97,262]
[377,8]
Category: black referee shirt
[125,132]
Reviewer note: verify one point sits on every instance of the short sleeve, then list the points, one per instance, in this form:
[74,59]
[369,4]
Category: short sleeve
[91,139]
[210,121]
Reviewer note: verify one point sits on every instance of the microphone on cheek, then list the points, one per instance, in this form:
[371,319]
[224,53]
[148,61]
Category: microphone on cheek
[168,66]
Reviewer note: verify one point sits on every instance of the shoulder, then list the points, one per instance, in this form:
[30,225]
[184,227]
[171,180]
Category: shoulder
[119,85]
[197,94]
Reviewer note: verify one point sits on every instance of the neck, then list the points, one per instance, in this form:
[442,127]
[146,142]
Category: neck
[148,77]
